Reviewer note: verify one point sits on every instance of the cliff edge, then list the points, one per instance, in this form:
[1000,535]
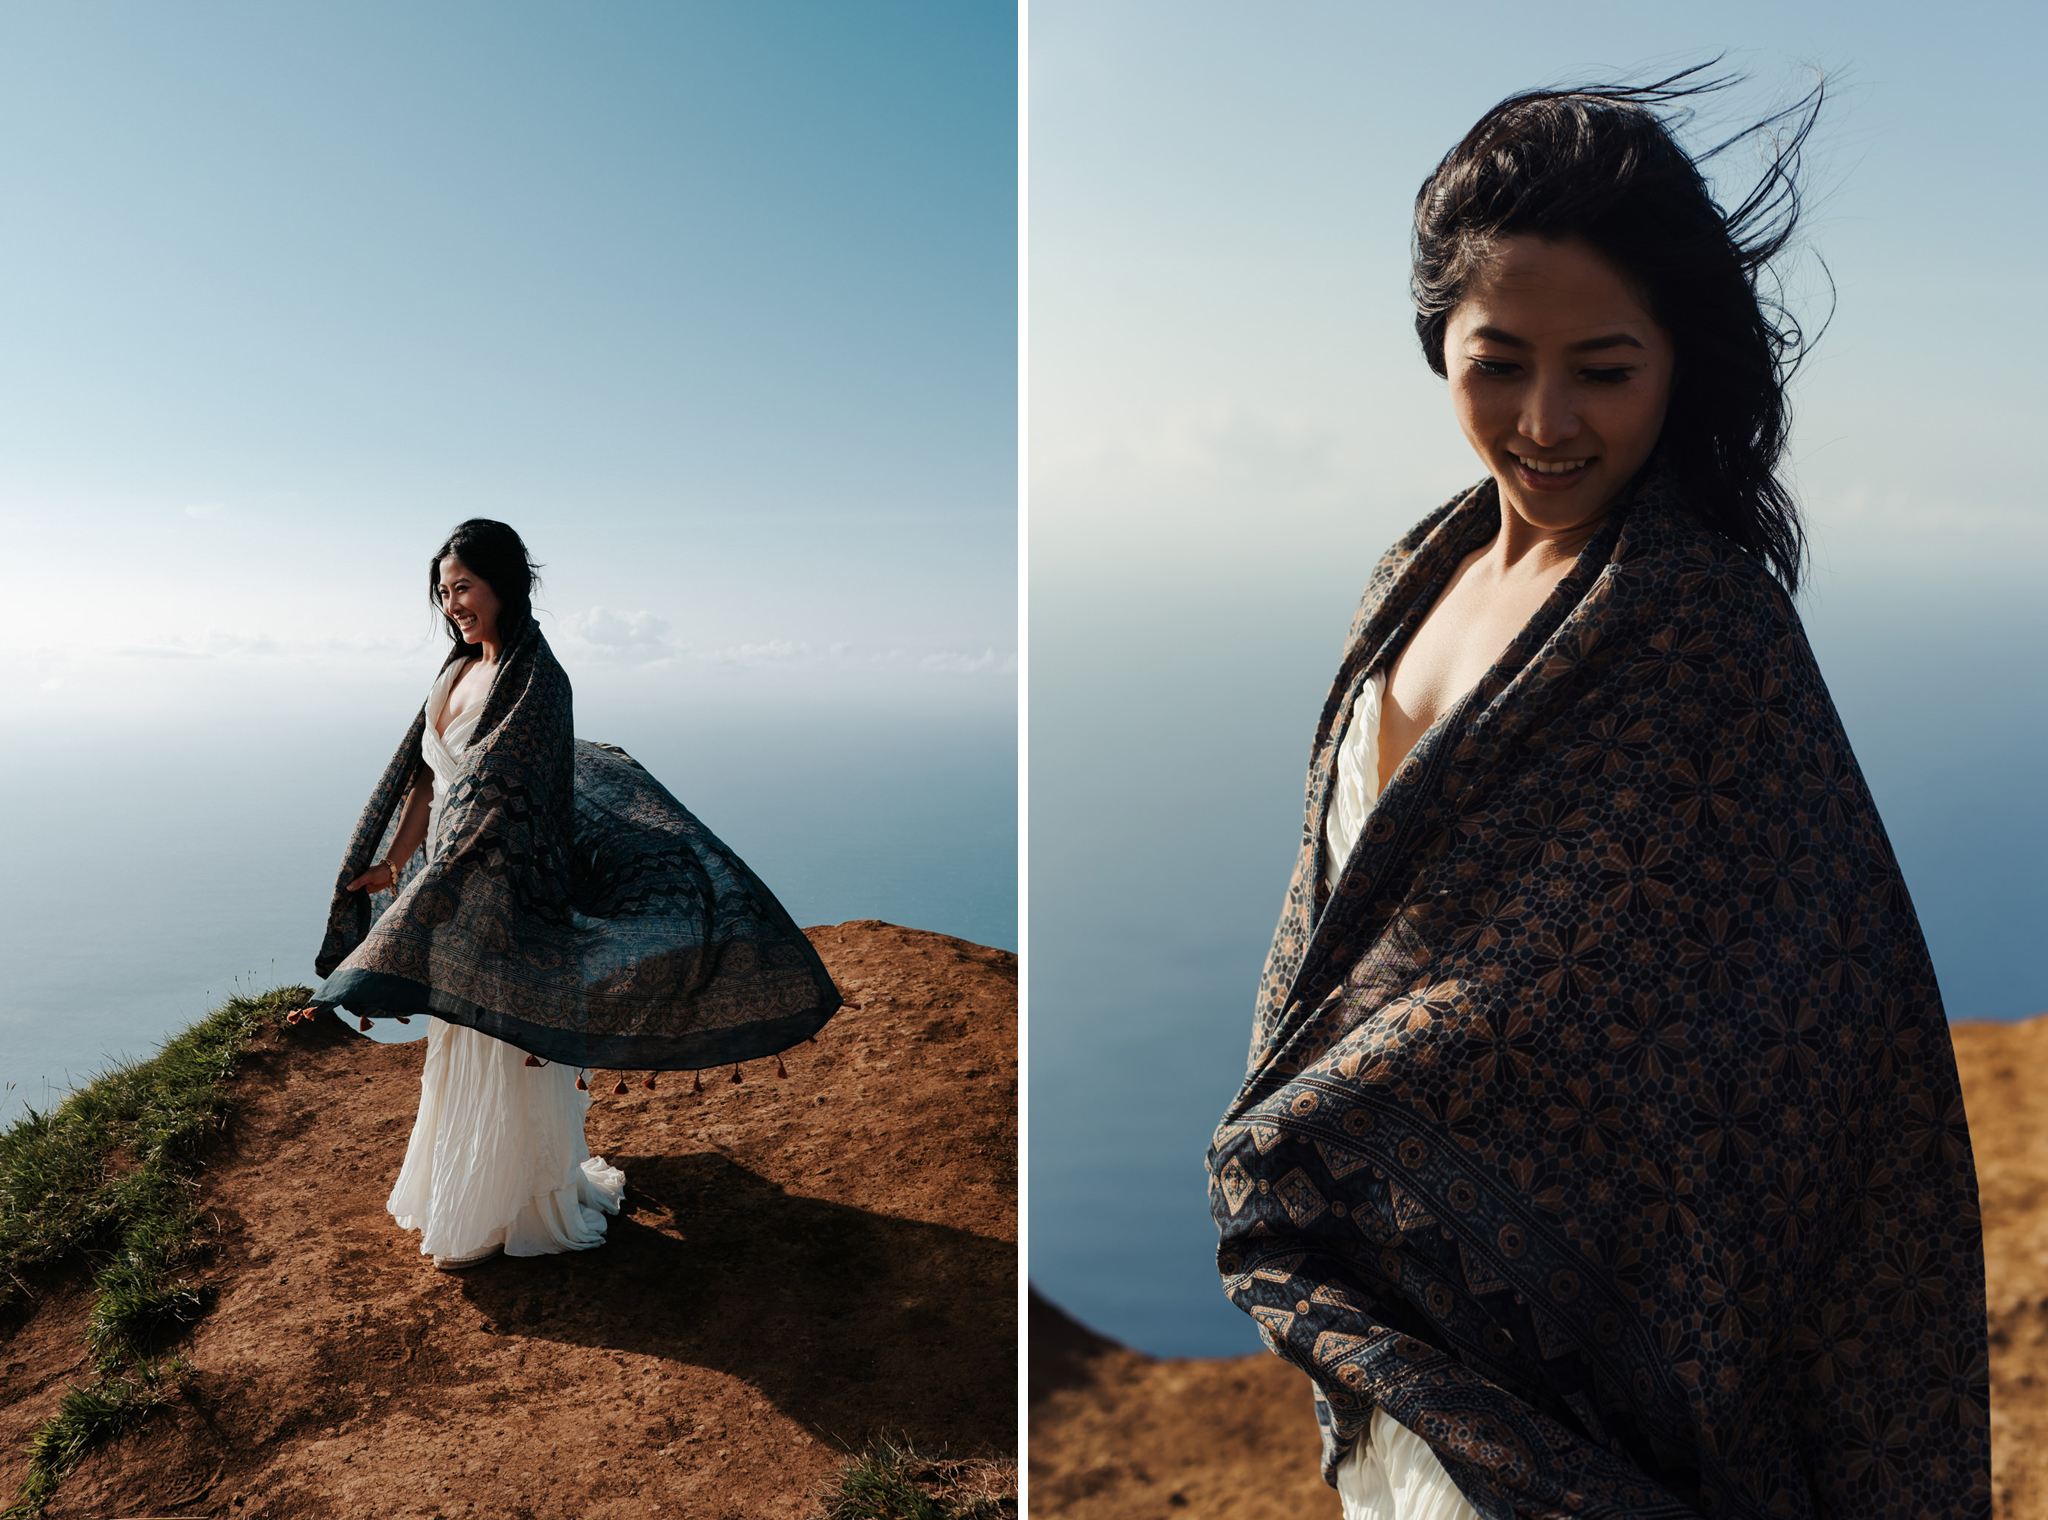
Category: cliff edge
[802,1267]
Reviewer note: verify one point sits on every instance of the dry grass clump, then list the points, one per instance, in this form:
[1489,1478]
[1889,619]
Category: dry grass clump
[891,1482]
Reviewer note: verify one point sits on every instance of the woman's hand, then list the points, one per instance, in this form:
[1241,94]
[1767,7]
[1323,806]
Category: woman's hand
[381,877]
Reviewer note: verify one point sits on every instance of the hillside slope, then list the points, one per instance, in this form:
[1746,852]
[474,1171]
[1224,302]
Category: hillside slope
[2009,1134]
[1117,1435]
[804,1265]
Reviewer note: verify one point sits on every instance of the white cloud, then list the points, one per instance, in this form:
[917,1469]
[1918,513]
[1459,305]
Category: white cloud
[637,638]
[773,652]
[1915,517]
[953,663]
[1216,450]
[233,648]
[1235,490]
[841,655]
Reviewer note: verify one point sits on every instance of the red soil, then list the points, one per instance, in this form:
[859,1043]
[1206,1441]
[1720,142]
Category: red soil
[2009,1134]
[1118,1435]
[802,1266]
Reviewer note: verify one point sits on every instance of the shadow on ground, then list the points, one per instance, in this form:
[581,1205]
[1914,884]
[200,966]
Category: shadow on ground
[855,1324]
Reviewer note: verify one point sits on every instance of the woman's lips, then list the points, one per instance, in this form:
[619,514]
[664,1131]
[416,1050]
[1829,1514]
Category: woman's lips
[1553,479]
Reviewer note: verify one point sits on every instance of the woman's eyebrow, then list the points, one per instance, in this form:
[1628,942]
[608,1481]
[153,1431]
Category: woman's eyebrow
[1585,345]
[1500,335]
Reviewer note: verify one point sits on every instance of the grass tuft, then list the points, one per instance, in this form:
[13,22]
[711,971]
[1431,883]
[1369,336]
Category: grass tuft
[107,1177]
[85,1418]
[890,1482]
[146,1297]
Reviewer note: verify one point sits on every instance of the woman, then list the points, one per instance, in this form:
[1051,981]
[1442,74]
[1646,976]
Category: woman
[554,909]
[1601,1151]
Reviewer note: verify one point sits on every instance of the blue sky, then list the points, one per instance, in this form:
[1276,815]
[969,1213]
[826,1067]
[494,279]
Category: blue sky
[1231,420]
[715,302]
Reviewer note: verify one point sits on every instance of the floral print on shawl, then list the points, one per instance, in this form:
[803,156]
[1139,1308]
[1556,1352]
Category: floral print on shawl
[1604,1125]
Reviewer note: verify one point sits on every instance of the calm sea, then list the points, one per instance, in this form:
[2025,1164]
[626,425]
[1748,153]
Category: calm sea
[149,868]
[1168,743]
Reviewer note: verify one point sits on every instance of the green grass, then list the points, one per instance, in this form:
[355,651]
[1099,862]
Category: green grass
[890,1482]
[85,1418]
[108,1179]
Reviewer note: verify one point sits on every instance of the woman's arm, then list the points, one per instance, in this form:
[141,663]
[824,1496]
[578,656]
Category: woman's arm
[412,828]
[383,876]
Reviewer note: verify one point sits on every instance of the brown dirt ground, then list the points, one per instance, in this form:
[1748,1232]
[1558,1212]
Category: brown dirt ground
[2002,1067]
[1117,1435]
[802,1266]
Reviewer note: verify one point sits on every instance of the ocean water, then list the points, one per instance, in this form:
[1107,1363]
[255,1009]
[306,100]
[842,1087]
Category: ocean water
[149,866]
[1169,737]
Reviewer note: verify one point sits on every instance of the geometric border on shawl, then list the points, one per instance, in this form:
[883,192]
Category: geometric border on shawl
[1340,1160]
[376,994]
[1540,1256]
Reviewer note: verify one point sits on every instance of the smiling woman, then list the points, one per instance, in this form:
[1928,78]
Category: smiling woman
[1601,1117]
[549,908]
[1562,375]
[1560,378]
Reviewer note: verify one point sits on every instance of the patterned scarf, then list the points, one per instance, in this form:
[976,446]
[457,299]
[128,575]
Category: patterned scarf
[572,908]
[1603,1125]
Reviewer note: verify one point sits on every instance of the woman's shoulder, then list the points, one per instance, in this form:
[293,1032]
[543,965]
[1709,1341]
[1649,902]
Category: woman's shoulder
[1473,500]
[544,657]
[541,677]
[1667,552]
[450,672]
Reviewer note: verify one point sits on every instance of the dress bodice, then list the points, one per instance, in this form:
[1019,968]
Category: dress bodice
[1358,779]
[443,751]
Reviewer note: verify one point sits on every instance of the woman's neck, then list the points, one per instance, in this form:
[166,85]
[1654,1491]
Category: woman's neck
[491,644]
[1522,547]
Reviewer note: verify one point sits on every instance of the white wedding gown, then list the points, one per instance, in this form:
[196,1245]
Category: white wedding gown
[497,1155]
[1391,1474]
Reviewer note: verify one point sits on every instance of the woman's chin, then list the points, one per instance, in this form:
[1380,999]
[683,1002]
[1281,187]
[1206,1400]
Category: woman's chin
[1557,510]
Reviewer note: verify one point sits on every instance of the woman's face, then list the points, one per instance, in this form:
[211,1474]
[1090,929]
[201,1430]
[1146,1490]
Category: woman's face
[468,598]
[1559,377]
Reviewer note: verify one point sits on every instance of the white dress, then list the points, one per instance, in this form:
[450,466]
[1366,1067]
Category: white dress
[497,1155]
[1391,1474]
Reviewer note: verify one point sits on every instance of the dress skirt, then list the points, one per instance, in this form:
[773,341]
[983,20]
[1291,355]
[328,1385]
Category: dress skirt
[1392,1474]
[497,1155]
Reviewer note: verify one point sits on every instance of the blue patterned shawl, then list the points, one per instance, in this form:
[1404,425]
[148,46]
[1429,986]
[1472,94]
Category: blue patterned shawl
[1604,1125]
[572,908]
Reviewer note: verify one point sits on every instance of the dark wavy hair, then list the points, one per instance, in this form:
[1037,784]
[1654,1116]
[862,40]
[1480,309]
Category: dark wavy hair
[1599,163]
[493,551]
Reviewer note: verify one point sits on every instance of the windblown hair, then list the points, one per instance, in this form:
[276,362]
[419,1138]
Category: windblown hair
[1600,163]
[493,551]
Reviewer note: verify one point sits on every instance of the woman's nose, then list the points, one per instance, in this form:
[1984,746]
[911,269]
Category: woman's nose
[1548,416]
